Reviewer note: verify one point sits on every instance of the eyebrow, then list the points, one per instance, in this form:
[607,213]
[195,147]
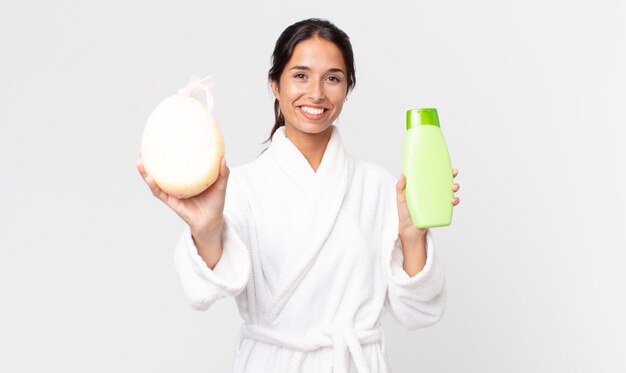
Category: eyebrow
[306,68]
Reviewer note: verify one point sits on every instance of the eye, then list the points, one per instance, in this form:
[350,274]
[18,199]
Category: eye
[299,76]
[334,79]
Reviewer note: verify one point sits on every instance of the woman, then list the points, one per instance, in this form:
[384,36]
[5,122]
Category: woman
[314,245]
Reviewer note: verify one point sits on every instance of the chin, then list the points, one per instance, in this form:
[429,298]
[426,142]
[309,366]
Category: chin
[314,129]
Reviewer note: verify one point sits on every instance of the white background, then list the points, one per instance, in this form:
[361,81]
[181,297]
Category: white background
[531,98]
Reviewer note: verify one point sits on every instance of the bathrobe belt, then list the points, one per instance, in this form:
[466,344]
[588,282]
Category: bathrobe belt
[341,340]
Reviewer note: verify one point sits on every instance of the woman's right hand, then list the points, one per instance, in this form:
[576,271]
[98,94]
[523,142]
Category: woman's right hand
[204,213]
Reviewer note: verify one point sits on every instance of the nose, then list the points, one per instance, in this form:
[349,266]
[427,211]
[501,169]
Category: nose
[316,90]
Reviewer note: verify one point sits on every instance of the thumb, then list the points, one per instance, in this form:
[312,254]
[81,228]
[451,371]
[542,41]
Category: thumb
[222,178]
[224,170]
[400,185]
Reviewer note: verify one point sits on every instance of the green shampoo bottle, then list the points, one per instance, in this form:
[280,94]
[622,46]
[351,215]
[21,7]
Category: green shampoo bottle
[427,170]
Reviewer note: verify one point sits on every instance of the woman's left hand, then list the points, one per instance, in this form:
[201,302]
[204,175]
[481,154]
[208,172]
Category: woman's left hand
[406,227]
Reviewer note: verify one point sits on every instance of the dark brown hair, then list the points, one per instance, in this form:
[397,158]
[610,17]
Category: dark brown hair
[294,34]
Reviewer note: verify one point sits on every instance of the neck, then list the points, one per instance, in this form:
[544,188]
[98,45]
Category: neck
[311,145]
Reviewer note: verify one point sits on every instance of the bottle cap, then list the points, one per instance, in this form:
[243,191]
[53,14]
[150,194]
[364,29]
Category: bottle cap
[420,117]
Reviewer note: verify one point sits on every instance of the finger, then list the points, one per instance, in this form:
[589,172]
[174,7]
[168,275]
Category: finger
[157,191]
[455,172]
[140,168]
[224,170]
[154,188]
[150,181]
[456,187]
[456,201]
[400,185]
[222,178]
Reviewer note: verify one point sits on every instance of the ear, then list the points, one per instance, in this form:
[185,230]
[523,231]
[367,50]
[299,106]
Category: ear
[275,88]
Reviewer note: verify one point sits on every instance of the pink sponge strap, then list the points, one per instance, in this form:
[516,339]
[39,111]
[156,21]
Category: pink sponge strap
[195,84]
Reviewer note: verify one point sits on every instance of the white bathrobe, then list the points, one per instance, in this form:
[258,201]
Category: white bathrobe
[314,261]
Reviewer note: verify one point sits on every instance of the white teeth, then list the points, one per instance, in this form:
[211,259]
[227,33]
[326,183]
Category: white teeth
[312,111]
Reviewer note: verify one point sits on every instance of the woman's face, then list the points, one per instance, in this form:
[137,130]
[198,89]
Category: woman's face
[313,87]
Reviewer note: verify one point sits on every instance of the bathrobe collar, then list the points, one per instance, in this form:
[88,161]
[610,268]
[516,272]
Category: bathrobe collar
[327,187]
[331,171]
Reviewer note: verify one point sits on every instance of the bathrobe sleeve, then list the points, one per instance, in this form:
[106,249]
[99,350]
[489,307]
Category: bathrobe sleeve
[203,286]
[417,301]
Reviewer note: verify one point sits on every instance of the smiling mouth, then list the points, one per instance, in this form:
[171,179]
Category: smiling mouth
[312,112]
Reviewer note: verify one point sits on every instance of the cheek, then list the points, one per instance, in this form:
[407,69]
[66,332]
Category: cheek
[339,103]
[338,98]
[293,91]
[338,109]
[289,90]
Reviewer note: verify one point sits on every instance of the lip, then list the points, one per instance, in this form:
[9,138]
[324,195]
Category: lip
[314,117]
